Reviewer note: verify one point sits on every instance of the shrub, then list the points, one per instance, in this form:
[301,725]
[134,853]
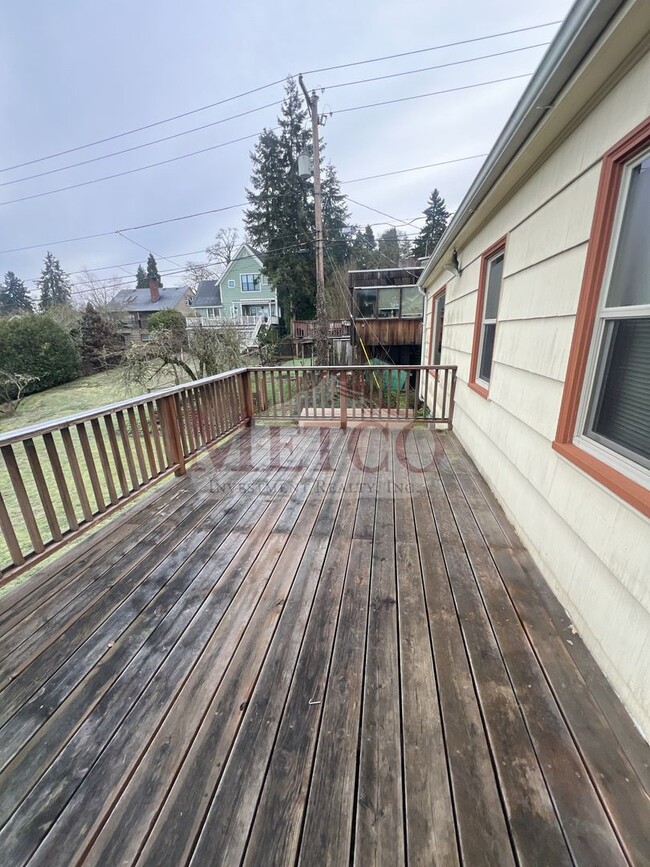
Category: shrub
[36,346]
[168,320]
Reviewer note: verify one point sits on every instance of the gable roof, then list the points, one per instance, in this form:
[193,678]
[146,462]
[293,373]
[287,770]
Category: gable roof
[583,26]
[139,300]
[208,294]
[248,251]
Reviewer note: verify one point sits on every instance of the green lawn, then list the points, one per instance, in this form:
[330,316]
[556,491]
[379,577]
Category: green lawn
[74,397]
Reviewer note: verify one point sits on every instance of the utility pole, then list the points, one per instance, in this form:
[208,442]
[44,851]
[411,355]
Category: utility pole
[321,342]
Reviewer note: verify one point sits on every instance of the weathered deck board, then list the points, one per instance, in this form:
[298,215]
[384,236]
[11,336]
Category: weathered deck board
[318,647]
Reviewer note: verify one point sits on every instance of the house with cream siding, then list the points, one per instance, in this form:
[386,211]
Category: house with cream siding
[539,291]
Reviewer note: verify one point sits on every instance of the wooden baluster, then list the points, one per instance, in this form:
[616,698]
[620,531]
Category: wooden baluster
[9,534]
[281,390]
[207,413]
[103,458]
[274,413]
[23,499]
[444,396]
[90,466]
[117,457]
[343,391]
[416,398]
[126,446]
[168,409]
[146,435]
[265,385]
[246,397]
[135,433]
[156,436]
[452,398]
[79,482]
[435,395]
[41,487]
[60,479]
[219,410]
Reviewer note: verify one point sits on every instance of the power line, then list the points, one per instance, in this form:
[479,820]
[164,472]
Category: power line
[149,250]
[430,68]
[431,48]
[128,171]
[414,169]
[142,128]
[268,85]
[431,93]
[253,135]
[253,111]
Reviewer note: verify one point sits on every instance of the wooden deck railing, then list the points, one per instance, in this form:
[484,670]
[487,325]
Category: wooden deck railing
[61,477]
[304,329]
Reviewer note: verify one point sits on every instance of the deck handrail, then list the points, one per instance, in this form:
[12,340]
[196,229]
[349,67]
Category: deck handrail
[62,476]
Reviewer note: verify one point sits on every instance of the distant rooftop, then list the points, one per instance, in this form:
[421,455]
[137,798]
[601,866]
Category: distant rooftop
[208,294]
[139,300]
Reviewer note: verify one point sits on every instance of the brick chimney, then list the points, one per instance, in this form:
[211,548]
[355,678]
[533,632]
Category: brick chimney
[154,289]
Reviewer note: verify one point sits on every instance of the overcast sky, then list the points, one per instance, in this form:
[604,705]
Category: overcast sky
[79,70]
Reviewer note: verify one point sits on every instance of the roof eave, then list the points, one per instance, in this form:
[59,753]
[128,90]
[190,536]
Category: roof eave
[584,24]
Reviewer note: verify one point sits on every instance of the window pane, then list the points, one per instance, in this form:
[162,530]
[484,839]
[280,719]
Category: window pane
[366,299]
[495,273]
[630,281]
[622,400]
[388,303]
[438,324]
[412,301]
[487,348]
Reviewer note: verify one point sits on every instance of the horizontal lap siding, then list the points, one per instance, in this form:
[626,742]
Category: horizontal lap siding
[592,547]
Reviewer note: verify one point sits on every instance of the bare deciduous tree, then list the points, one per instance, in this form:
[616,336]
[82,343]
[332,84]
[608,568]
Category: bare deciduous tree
[98,291]
[220,253]
[12,390]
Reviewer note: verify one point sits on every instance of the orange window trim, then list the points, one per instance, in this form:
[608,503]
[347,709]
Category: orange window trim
[432,321]
[497,247]
[613,166]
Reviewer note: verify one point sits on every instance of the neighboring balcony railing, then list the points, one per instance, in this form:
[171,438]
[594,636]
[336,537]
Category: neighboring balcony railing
[303,329]
[61,477]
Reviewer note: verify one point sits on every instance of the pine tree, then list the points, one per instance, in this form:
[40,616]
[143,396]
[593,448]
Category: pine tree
[152,270]
[437,215]
[141,278]
[100,344]
[54,283]
[336,219]
[13,295]
[364,249]
[389,249]
[280,216]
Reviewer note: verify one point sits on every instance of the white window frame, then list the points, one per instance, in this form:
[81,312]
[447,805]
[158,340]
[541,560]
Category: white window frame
[594,444]
[232,284]
[436,325]
[488,264]
[257,287]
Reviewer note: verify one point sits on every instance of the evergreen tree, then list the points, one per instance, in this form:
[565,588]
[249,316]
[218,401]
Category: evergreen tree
[336,219]
[437,215]
[364,249]
[280,216]
[54,283]
[13,295]
[100,346]
[152,270]
[389,249]
[141,278]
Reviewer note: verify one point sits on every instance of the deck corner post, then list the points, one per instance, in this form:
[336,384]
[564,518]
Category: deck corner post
[172,434]
[246,397]
[452,392]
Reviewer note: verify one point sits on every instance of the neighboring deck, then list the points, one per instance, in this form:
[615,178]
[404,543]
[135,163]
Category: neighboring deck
[289,656]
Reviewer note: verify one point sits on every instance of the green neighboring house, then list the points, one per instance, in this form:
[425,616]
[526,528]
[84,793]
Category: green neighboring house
[241,292]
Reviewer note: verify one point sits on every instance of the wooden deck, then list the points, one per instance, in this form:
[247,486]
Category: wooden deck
[317,647]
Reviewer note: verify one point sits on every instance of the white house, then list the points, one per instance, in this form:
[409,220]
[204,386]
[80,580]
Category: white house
[539,291]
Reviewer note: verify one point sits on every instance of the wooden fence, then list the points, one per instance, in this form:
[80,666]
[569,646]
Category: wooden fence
[61,477]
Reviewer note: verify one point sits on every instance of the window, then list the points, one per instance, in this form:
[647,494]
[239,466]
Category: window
[388,303]
[604,423]
[250,282]
[366,302]
[487,308]
[436,326]
[231,284]
[616,403]
[412,301]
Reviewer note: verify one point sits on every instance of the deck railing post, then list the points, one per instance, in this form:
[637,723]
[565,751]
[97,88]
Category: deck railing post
[246,396]
[172,434]
[451,399]
[343,389]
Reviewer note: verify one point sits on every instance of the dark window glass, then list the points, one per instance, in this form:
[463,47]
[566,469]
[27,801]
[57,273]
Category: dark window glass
[366,302]
[621,411]
[487,349]
[495,274]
